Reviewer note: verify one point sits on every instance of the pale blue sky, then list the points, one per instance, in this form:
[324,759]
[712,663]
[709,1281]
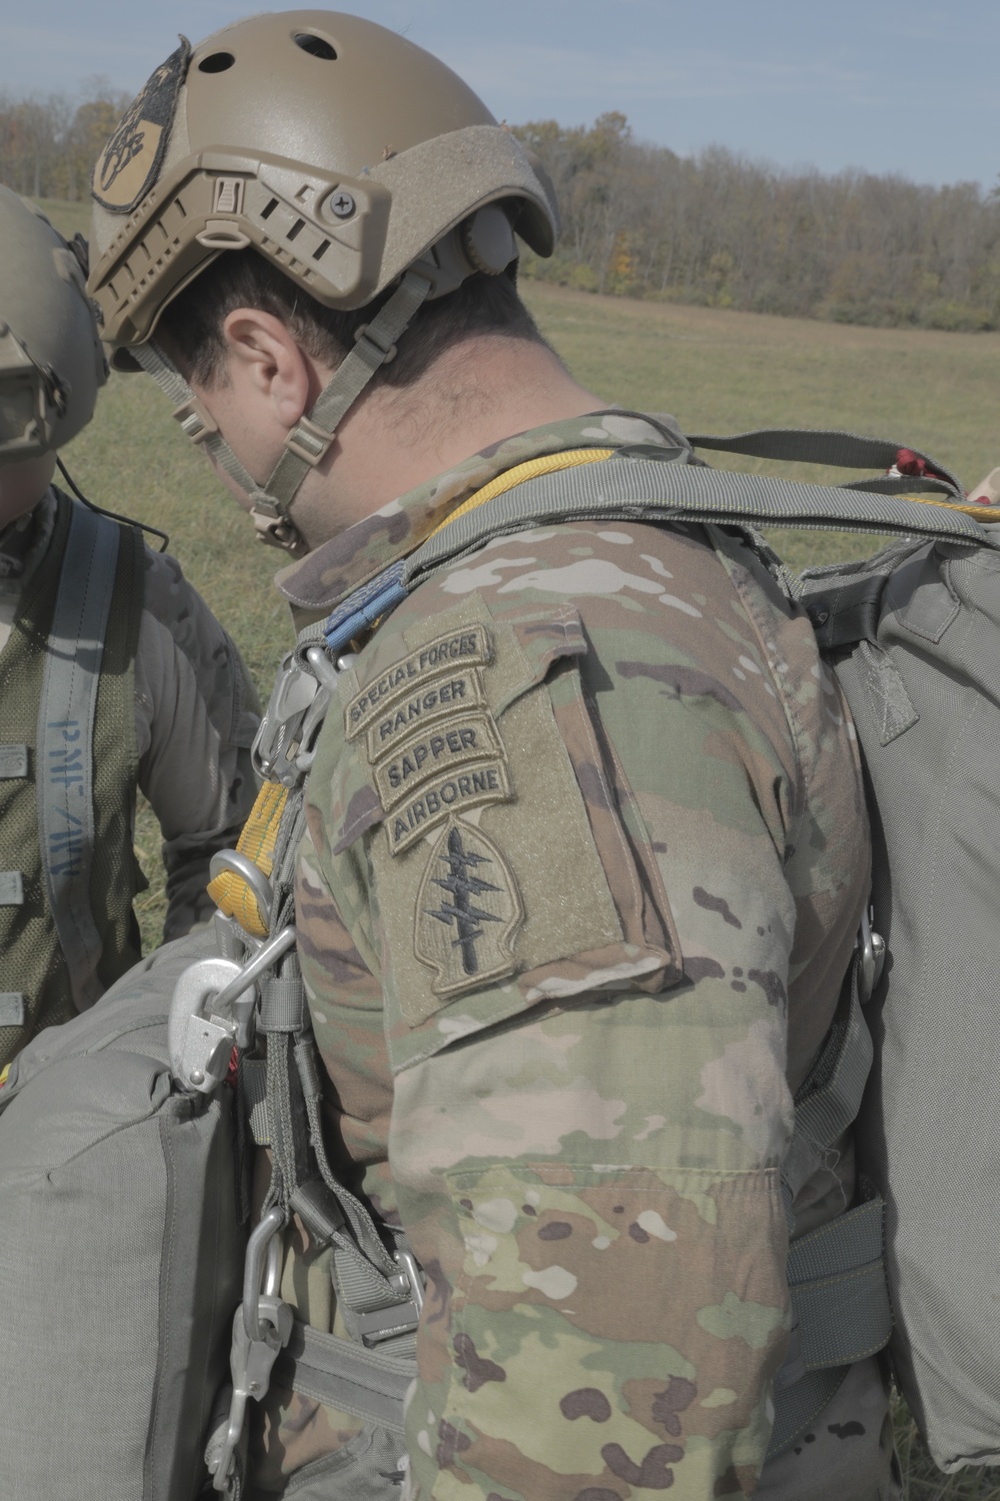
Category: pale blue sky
[905,86]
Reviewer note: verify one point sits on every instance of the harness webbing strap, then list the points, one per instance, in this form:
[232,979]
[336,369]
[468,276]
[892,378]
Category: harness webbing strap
[364,1271]
[840,450]
[646,489]
[253,1077]
[546,463]
[836,1273]
[364,607]
[65,771]
[837,1280]
[344,1375]
[831,1097]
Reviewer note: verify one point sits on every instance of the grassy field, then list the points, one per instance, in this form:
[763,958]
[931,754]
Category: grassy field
[714,371]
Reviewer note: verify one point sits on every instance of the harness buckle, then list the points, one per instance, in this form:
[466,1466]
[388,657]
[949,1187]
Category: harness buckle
[200,1045]
[309,442]
[195,419]
[212,1011]
[394,1319]
[279,739]
[274,529]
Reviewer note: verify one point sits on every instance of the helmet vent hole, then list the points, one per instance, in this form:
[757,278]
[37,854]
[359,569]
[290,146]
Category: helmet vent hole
[216,62]
[296,229]
[321,250]
[266,213]
[316,46]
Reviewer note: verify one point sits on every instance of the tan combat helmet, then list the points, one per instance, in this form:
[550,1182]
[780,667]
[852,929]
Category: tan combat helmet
[51,361]
[350,158]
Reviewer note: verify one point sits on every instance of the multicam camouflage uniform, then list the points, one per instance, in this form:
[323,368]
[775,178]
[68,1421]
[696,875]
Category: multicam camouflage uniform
[195,718]
[586,856]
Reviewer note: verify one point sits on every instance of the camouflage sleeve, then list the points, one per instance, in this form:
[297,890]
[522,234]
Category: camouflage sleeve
[196,715]
[556,822]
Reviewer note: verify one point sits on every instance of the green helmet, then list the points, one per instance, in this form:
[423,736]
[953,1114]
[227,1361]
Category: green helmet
[351,159]
[51,361]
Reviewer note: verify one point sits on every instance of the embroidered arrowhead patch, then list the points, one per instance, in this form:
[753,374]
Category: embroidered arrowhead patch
[130,162]
[468,911]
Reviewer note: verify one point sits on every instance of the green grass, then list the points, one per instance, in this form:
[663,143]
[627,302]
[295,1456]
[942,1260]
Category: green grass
[68,218]
[714,371]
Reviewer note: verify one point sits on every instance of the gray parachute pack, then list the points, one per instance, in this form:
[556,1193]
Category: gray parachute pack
[121,1247]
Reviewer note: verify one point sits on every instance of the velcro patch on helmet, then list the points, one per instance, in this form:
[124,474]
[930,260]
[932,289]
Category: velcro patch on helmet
[130,162]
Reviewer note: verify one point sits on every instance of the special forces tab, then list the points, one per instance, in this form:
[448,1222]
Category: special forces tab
[471,647]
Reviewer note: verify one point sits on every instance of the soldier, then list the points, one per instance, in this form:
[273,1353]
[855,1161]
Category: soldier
[584,847]
[113,673]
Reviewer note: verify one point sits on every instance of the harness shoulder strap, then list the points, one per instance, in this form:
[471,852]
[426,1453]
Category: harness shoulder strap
[65,740]
[647,489]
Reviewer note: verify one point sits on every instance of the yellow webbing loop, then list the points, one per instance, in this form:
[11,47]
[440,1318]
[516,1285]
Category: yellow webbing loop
[548,463]
[984,513]
[230,892]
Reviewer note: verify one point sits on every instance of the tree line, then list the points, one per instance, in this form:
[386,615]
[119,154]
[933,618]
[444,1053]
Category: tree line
[640,221]
[49,144]
[720,230]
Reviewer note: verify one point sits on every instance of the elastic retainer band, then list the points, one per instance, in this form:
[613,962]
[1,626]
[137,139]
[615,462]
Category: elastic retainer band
[364,607]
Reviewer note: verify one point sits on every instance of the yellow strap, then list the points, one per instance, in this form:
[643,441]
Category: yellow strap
[985,514]
[230,892]
[548,463]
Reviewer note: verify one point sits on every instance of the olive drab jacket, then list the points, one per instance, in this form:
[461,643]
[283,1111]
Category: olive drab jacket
[586,853]
[174,715]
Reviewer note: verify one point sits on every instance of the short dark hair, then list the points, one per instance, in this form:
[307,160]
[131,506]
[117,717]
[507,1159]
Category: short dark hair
[193,321]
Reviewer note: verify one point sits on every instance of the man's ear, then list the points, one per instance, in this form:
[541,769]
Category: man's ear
[265,360]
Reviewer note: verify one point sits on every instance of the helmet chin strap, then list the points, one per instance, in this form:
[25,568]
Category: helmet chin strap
[310,439]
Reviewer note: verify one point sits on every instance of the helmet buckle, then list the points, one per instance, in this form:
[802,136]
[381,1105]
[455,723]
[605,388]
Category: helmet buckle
[387,352]
[309,442]
[195,420]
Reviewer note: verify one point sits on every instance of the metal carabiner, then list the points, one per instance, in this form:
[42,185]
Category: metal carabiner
[199,1038]
[262,1326]
[871,946]
[264,959]
[262,1270]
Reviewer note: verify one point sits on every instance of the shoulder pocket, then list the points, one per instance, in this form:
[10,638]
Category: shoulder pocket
[504,860]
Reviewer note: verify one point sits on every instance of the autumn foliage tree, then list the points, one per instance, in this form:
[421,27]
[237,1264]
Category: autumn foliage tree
[719,229]
[48,145]
[640,221]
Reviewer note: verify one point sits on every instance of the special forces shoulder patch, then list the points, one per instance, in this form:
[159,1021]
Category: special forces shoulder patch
[468,911]
[488,888]
[130,162]
[418,678]
[432,743]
